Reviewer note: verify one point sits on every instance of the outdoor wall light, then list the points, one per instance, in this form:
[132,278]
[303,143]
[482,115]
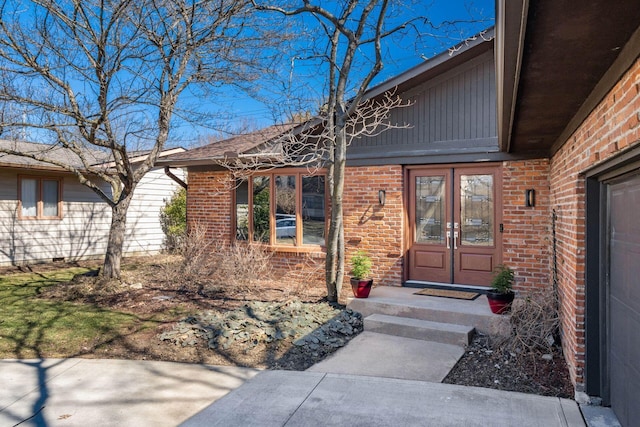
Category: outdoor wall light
[382,196]
[530,198]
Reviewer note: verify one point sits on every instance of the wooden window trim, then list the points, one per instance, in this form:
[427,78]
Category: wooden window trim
[272,245]
[39,197]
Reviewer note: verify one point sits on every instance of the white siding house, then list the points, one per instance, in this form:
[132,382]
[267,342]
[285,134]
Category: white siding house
[81,227]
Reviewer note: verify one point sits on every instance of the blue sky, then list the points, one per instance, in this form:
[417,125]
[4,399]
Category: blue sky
[238,110]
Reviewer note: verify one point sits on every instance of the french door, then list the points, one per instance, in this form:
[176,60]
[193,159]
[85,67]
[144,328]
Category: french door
[454,222]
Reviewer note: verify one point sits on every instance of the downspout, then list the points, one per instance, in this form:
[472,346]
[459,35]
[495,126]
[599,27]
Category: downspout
[167,171]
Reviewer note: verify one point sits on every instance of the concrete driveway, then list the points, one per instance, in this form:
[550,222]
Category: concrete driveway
[83,392]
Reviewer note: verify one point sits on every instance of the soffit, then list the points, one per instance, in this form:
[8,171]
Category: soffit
[568,47]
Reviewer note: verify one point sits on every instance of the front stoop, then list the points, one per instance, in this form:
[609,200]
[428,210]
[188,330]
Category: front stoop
[402,302]
[445,333]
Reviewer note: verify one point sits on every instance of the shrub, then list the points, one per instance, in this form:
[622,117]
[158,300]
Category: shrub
[173,219]
[360,265]
[535,322]
[503,279]
[210,266]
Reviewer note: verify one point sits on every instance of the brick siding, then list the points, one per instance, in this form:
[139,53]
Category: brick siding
[612,126]
[526,240]
[209,204]
[376,229]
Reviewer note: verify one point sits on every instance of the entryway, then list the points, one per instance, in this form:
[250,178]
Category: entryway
[454,223]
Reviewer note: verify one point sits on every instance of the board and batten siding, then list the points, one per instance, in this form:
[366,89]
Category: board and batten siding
[453,112]
[84,228]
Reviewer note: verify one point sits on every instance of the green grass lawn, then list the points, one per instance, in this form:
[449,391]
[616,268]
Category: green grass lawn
[37,327]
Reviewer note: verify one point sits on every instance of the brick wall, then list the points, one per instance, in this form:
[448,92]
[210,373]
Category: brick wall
[376,229]
[526,238]
[611,127]
[209,204]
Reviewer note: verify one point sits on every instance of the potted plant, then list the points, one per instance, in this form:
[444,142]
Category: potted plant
[360,270]
[501,294]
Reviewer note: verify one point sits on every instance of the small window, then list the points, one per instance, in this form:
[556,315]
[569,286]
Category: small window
[283,209]
[40,198]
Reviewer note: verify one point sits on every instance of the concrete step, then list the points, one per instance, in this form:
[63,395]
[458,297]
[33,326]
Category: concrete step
[445,333]
[402,302]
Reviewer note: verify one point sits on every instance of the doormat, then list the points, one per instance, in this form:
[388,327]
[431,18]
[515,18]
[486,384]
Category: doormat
[448,293]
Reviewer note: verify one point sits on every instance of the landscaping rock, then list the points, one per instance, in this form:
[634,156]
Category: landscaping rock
[316,330]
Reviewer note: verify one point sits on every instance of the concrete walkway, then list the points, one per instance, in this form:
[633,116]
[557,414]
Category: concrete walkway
[90,392]
[389,356]
[279,398]
[81,392]
[376,380]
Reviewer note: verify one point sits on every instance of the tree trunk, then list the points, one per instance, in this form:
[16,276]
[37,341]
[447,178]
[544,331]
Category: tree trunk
[335,245]
[113,257]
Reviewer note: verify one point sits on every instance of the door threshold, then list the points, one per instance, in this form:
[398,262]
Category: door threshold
[450,286]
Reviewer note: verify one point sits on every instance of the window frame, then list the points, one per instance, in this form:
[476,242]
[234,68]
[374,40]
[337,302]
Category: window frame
[39,197]
[298,245]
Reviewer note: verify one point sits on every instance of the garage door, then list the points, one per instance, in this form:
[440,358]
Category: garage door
[624,299]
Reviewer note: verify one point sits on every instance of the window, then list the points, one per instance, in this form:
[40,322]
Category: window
[283,208]
[39,197]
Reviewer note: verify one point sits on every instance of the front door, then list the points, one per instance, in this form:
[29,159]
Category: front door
[454,218]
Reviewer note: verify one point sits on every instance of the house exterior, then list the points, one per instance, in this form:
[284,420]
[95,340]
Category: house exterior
[461,81]
[47,215]
[524,150]
[569,89]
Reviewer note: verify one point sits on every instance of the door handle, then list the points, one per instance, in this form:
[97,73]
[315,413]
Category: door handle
[448,240]
[455,241]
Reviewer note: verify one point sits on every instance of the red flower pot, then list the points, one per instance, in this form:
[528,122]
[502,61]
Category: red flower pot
[361,288]
[500,303]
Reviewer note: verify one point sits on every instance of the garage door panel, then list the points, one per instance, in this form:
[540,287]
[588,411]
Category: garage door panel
[624,300]
[632,278]
[619,329]
[633,408]
[633,346]
[619,393]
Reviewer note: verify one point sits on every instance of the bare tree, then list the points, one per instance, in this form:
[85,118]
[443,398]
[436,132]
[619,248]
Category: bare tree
[349,28]
[108,75]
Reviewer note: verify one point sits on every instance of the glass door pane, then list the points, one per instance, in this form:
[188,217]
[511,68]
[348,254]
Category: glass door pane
[476,210]
[430,209]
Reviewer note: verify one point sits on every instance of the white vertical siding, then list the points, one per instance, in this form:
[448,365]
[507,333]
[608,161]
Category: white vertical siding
[84,228]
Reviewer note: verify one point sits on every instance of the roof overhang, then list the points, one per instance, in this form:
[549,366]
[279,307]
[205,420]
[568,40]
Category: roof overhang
[39,167]
[551,56]
[511,21]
